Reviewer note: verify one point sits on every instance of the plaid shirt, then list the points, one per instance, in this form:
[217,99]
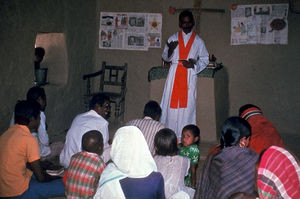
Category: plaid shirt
[83,175]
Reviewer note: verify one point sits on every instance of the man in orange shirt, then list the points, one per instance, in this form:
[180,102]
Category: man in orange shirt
[20,158]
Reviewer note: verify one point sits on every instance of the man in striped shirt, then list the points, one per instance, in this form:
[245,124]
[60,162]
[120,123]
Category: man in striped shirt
[150,124]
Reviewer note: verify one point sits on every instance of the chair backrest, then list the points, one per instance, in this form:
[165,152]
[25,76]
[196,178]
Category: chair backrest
[113,78]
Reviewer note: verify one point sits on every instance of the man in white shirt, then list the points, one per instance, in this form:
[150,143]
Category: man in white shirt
[95,119]
[186,55]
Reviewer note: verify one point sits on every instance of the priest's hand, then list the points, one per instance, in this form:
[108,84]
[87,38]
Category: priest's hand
[172,45]
[188,63]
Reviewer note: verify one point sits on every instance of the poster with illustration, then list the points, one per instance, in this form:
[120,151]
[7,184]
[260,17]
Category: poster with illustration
[259,24]
[130,31]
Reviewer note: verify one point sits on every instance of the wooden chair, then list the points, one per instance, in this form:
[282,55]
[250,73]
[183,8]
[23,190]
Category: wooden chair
[112,84]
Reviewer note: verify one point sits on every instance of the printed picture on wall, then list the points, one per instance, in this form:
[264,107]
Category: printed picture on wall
[259,24]
[130,31]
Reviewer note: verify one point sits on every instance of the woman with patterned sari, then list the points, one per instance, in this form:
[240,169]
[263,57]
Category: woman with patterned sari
[232,169]
[278,174]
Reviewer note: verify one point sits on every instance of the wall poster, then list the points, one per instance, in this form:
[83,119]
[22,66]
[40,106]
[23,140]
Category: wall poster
[259,24]
[130,31]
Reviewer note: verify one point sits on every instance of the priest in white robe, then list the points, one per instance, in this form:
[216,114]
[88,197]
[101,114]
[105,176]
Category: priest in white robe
[186,55]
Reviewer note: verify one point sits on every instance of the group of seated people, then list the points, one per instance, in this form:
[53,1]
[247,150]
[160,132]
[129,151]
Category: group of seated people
[145,159]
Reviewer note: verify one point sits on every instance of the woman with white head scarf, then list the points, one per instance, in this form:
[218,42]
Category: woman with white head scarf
[133,173]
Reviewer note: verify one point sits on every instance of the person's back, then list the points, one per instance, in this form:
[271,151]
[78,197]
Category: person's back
[17,144]
[150,124]
[172,166]
[91,120]
[264,134]
[85,167]
[233,168]
[174,169]
[278,174]
[82,123]
[132,173]
[148,127]
[20,158]
[146,188]
[38,94]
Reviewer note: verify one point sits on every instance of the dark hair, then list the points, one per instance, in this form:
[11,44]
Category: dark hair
[98,99]
[234,129]
[194,130]
[35,92]
[245,107]
[24,110]
[39,51]
[152,109]
[186,13]
[91,140]
[165,142]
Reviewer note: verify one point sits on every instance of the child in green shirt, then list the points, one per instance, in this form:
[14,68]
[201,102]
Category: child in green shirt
[189,140]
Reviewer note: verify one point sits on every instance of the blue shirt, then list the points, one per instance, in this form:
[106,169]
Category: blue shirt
[150,187]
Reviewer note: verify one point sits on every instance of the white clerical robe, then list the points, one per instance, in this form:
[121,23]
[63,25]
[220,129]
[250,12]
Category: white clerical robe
[176,119]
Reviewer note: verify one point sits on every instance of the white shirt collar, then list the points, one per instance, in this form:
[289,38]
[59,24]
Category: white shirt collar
[187,35]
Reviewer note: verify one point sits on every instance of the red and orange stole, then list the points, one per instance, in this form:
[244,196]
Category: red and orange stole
[180,89]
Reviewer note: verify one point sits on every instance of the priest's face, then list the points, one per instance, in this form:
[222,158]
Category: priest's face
[186,23]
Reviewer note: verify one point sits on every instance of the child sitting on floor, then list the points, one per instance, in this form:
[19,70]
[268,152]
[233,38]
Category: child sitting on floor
[172,166]
[189,141]
[85,167]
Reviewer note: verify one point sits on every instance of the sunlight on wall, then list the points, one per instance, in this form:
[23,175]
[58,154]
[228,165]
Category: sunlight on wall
[56,57]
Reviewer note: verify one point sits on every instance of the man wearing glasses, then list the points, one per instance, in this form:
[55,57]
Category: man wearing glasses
[94,119]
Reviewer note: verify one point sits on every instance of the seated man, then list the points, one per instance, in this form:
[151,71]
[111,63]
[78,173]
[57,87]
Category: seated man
[20,158]
[95,119]
[150,124]
[83,174]
[264,134]
[47,150]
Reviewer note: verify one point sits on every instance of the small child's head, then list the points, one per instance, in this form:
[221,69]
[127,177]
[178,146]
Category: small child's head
[190,135]
[165,142]
[92,141]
